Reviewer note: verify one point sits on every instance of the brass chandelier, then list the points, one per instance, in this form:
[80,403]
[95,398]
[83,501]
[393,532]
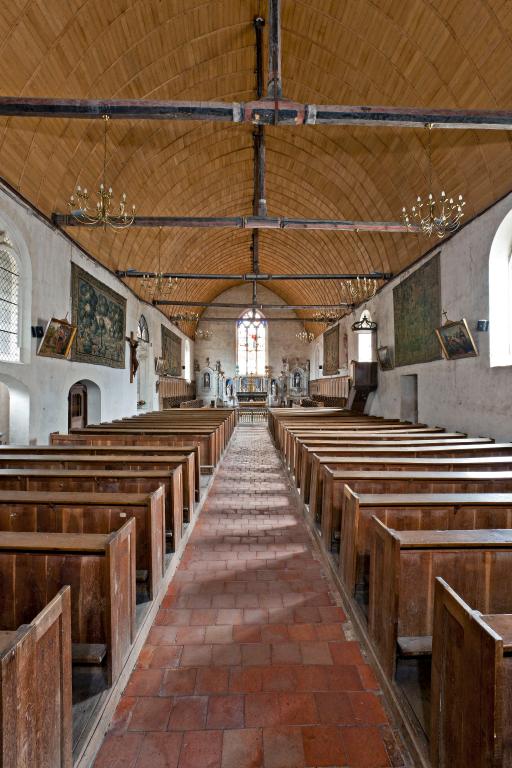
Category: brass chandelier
[304,336]
[440,217]
[159,285]
[203,334]
[328,316]
[359,290]
[103,212]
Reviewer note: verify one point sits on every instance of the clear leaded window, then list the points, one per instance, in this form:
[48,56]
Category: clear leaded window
[143,330]
[251,343]
[9,307]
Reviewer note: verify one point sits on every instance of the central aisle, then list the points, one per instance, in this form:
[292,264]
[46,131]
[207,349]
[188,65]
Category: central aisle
[248,664]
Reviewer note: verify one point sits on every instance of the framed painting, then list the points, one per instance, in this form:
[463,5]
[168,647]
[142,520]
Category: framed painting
[100,317]
[456,340]
[171,353]
[417,314]
[57,339]
[385,357]
[331,351]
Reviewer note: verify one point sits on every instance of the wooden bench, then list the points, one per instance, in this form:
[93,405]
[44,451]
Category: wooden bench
[343,489]
[395,452]
[404,564]
[191,465]
[94,513]
[99,568]
[471,697]
[318,444]
[35,689]
[112,463]
[411,511]
[105,481]
[316,451]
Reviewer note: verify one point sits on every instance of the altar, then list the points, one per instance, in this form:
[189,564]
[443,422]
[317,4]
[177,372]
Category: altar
[251,388]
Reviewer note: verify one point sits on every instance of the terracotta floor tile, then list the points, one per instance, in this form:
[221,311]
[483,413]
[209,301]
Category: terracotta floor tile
[323,745]
[201,749]
[144,682]
[225,712]
[277,678]
[297,709]
[246,680]
[262,709]
[283,748]
[219,634]
[315,653]
[188,713]
[160,750]
[190,634]
[177,682]
[122,715]
[165,656]
[119,751]
[150,714]
[335,709]
[246,633]
[255,654]
[196,656]
[347,652]
[344,678]
[242,749]
[286,653]
[368,709]
[212,680]
[364,748]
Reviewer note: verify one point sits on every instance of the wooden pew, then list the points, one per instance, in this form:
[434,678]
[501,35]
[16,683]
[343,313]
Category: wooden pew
[317,450]
[99,568]
[94,513]
[471,696]
[306,447]
[343,489]
[35,689]
[191,464]
[399,452]
[105,481]
[404,564]
[113,463]
[411,511]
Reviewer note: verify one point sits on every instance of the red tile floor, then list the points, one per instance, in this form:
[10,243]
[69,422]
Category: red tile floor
[247,663]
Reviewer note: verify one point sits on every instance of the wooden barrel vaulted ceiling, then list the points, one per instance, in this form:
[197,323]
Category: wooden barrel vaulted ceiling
[363,52]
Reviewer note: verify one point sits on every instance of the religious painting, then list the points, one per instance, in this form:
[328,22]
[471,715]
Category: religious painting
[171,353]
[456,340]
[331,351]
[57,340]
[417,312]
[385,357]
[100,316]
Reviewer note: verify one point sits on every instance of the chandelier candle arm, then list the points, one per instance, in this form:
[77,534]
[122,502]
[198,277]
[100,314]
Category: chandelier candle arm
[434,217]
[86,212]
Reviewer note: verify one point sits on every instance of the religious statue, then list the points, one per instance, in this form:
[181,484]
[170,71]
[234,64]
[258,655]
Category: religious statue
[206,380]
[134,363]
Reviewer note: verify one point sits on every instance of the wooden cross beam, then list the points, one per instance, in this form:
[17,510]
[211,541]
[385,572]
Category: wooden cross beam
[259,112]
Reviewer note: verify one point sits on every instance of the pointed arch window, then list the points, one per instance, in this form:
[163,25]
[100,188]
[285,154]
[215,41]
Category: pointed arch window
[251,337]
[9,305]
[143,330]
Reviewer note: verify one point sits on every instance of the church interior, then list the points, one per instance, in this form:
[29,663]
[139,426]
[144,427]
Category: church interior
[255,377]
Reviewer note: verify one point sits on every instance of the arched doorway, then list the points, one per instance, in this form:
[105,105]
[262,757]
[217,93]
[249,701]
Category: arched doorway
[14,411]
[84,404]
[77,407]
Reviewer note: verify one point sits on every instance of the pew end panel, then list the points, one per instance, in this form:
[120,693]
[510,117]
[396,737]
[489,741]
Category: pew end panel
[349,535]
[467,687]
[36,730]
[120,577]
[384,594]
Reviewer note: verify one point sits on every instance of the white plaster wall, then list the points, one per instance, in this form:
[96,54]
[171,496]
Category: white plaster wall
[464,394]
[48,380]
[4,412]
[281,337]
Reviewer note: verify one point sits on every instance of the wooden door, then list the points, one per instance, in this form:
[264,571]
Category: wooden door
[77,406]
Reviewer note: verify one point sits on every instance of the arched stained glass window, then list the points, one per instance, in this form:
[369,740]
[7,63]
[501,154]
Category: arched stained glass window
[251,336]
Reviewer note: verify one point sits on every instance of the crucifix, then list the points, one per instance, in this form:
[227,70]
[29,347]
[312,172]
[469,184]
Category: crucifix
[134,363]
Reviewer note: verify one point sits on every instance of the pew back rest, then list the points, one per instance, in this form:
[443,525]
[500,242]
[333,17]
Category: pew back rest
[467,688]
[36,730]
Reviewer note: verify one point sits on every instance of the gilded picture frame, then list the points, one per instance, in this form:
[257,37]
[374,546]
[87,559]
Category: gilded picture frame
[456,340]
[57,339]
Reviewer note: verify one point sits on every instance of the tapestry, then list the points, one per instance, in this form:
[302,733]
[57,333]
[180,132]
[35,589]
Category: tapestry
[171,353]
[417,312]
[100,316]
[331,351]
